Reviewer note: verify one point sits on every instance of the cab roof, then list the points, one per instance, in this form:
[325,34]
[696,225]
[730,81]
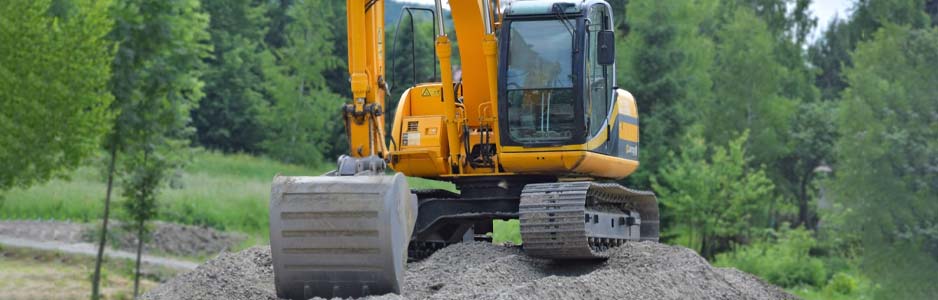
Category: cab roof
[540,7]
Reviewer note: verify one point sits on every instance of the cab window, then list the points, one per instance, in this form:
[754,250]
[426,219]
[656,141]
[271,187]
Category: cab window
[599,84]
[540,82]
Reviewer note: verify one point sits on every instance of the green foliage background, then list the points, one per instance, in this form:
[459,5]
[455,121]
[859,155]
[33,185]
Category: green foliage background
[809,162]
[889,119]
[54,98]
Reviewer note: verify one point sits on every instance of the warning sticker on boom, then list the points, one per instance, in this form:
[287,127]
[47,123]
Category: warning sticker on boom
[430,92]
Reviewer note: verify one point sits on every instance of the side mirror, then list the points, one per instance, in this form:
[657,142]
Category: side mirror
[607,47]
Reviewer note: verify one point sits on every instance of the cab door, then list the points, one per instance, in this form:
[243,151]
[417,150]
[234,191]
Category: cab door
[599,78]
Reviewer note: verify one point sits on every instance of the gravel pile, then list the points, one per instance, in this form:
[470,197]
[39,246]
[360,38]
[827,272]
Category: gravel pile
[244,275]
[485,271]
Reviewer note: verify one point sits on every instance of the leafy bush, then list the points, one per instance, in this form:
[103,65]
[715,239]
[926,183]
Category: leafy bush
[712,194]
[784,261]
[842,283]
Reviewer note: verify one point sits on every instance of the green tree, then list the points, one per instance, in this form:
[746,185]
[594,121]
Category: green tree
[664,62]
[809,139]
[748,97]
[141,180]
[304,113]
[931,7]
[789,21]
[410,57]
[54,69]
[747,90]
[410,54]
[713,194]
[156,84]
[887,157]
[813,133]
[229,117]
[337,78]
[830,53]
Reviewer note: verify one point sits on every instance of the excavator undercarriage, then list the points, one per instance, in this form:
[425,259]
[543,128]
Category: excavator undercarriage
[350,236]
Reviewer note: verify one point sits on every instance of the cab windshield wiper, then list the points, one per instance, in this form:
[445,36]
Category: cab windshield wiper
[561,14]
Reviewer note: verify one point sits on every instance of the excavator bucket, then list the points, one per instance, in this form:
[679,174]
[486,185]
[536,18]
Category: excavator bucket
[340,236]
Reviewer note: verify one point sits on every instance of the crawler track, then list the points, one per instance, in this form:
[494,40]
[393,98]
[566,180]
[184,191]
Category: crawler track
[580,220]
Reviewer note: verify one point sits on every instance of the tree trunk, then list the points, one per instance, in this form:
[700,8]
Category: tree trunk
[140,229]
[691,239]
[139,251]
[95,282]
[803,202]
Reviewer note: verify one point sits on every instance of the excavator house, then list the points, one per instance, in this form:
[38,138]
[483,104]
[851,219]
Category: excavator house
[535,129]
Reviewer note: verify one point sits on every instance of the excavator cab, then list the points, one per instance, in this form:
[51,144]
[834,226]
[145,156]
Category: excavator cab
[560,110]
[553,85]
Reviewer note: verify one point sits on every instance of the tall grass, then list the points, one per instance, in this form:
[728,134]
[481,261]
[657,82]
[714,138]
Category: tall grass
[227,192]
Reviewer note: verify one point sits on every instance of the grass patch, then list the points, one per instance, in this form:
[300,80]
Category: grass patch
[32,274]
[842,286]
[506,232]
[425,184]
[225,192]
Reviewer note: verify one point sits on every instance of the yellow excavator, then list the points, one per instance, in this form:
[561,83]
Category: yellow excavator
[535,129]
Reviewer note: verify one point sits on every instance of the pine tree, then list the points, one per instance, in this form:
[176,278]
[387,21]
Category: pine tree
[303,112]
[664,62]
[228,118]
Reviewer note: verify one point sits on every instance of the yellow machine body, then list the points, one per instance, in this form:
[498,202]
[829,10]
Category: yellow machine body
[436,127]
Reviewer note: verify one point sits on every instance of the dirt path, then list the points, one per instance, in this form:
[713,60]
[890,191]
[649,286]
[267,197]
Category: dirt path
[88,249]
[78,239]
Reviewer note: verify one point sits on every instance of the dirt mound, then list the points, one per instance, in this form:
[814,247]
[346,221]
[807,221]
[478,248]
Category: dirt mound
[180,240]
[165,238]
[486,271]
[66,232]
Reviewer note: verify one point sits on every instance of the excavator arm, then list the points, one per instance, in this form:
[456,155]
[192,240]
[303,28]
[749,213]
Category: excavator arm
[364,114]
[345,234]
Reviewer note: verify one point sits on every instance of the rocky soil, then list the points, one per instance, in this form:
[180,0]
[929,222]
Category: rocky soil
[485,271]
